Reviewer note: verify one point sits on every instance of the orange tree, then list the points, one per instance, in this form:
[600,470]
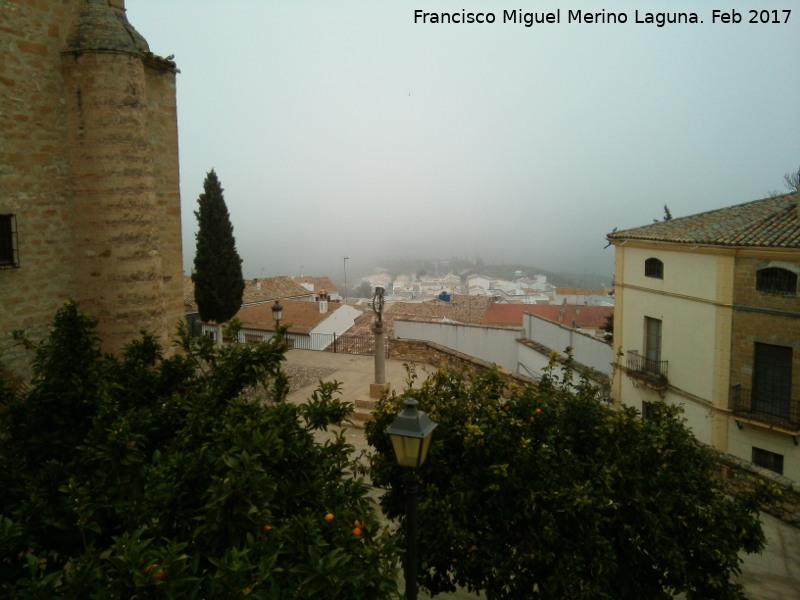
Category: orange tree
[142,476]
[546,492]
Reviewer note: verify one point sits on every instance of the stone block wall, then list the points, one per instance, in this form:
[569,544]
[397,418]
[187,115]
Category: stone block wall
[744,476]
[36,178]
[89,157]
[762,317]
[418,351]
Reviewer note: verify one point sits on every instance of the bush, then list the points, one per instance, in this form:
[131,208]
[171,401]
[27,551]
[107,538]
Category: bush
[151,477]
[546,492]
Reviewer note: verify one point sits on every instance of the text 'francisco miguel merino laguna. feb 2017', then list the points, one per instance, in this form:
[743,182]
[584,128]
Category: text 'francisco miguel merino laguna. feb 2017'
[604,17]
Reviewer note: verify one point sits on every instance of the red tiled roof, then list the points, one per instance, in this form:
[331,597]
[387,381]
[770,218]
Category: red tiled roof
[590,317]
[462,309]
[318,283]
[300,316]
[768,223]
[580,292]
[255,291]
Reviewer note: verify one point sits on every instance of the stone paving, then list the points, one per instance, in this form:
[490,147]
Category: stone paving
[772,575]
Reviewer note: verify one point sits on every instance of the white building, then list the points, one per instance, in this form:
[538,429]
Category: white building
[708,317]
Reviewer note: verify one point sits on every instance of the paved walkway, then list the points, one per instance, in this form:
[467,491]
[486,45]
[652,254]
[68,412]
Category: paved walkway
[773,575]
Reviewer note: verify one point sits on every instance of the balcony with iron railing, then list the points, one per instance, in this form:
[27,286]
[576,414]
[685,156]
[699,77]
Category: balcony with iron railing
[765,410]
[652,373]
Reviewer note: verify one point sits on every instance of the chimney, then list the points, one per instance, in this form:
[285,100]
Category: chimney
[323,307]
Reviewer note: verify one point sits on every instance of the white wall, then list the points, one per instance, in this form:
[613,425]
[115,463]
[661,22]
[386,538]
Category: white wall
[501,345]
[741,443]
[587,350]
[686,273]
[533,363]
[683,301]
[696,414]
[339,321]
[492,344]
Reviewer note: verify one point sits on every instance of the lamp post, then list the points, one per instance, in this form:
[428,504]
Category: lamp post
[346,258]
[277,314]
[411,433]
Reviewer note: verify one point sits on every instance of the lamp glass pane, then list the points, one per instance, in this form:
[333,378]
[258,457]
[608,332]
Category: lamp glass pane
[406,450]
[426,444]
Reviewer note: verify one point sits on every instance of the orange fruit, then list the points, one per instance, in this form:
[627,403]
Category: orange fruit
[329,517]
[267,528]
[158,576]
[357,531]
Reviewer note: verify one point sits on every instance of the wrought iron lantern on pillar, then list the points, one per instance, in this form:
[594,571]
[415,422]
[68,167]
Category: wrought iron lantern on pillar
[378,303]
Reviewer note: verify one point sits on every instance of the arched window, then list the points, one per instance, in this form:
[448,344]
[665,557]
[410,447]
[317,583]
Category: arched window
[776,280]
[654,268]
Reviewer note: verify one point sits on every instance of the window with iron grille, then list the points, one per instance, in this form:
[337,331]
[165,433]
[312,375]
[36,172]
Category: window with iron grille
[768,460]
[772,380]
[9,251]
[776,280]
[654,268]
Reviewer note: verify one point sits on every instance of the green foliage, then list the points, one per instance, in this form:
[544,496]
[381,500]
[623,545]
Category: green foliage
[546,493]
[152,477]
[217,276]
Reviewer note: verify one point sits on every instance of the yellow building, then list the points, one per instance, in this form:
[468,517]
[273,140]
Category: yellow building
[708,317]
[89,192]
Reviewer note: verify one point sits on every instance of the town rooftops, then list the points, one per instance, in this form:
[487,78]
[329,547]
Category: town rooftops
[255,291]
[318,284]
[580,292]
[460,309]
[768,223]
[300,316]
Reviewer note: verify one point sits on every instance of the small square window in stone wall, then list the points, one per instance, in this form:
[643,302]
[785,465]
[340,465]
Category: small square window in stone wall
[9,249]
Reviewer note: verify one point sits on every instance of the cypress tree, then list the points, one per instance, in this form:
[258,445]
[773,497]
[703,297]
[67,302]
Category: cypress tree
[217,277]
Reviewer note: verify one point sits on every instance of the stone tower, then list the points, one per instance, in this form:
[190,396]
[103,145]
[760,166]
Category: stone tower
[89,186]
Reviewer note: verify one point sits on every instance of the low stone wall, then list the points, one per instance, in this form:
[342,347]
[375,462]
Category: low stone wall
[742,475]
[423,352]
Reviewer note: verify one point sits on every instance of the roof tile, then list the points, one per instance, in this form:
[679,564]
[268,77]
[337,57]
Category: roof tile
[768,223]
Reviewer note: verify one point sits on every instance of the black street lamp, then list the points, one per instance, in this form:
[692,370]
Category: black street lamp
[277,314]
[411,433]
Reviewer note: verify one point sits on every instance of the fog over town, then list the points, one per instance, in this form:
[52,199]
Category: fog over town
[345,129]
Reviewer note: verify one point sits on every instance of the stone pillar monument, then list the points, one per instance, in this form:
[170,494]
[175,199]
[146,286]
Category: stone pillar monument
[376,389]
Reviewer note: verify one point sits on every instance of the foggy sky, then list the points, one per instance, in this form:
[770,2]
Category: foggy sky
[342,128]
